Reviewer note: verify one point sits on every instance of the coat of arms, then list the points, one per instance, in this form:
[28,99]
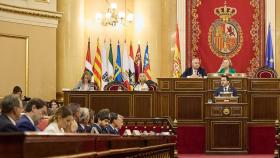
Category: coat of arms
[225,36]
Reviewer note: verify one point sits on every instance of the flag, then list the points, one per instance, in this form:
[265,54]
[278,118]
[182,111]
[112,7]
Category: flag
[105,79]
[118,66]
[97,67]
[125,67]
[147,67]
[110,65]
[269,59]
[138,63]
[88,65]
[131,72]
[177,69]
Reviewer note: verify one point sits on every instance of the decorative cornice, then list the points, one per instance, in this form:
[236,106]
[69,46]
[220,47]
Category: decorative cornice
[29,11]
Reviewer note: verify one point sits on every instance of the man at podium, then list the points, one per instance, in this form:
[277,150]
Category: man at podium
[225,86]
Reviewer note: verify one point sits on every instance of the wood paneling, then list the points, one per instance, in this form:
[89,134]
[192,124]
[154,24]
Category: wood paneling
[164,103]
[119,103]
[265,85]
[264,107]
[143,104]
[82,99]
[194,84]
[226,135]
[189,107]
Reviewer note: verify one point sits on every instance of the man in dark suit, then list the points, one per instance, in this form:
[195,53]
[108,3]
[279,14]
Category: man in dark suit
[101,120]
[34,109]
[116,122]
[225,87]
[11,110]
[195,71]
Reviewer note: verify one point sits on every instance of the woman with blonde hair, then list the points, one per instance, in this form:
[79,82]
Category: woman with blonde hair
[226,67]
[61,120]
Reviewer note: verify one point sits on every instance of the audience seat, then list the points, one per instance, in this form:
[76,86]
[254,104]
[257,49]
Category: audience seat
[266,72]
[152,85]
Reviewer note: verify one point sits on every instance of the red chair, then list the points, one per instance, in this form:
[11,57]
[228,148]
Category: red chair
[152,85]
[266,72]
[115,86]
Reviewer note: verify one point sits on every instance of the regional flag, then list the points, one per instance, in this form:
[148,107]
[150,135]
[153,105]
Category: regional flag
[105,79]
[147,67]
[88,65]
[138,63]
[269,58]
[131,72]
[177,68]
[125,67]
[97,67]
[110,65]
[118,66]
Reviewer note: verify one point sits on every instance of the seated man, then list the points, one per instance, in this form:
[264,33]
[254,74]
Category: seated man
[116,122]
[11,110]
[225,87]
[195,71]
[101,120]
[142,86]
[34,109]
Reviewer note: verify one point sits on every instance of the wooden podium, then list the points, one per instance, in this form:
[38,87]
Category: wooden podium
[226,125]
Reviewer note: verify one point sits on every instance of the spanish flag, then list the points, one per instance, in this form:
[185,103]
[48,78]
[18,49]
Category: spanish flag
[177,70]
[97,67]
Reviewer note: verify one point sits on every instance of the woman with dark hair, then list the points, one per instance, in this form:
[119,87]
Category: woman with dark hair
[53,105]
[85,84]
[60,121]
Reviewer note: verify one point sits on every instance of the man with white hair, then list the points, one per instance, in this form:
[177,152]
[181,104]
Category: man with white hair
[195,71]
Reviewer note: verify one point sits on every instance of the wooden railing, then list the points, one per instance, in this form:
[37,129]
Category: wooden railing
[277,139]
[33,145]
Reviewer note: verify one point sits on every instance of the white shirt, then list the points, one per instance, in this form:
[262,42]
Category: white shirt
[13,121]
[226,88]
[141,87]
[29,118]
[53,128]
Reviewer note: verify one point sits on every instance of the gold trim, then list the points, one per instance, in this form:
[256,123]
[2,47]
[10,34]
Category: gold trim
[195,26]
[43,1]
[255,32]
[26,38]
[29,11]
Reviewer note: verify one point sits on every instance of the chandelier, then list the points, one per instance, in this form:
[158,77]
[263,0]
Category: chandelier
[114,18]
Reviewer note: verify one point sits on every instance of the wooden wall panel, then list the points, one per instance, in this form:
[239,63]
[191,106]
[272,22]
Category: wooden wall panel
[264,107]
[164,104]
[143,105]
[119,103]
[81,99]
[189,107]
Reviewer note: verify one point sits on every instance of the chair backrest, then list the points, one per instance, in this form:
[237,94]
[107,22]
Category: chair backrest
[115,86]
[152,85]
[266,72]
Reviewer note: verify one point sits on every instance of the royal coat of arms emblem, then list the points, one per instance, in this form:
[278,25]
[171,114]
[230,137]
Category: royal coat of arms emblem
[225,36]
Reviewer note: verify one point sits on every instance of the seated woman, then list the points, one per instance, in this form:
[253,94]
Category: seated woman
[226,67]
[142,86]
[59,121]
[85,84]
[52,106]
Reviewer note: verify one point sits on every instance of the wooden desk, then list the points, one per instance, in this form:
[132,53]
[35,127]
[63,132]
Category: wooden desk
[184,99]
[31,145]
[129,104]
[226,127]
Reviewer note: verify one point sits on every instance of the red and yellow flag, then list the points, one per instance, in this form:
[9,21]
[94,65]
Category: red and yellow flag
[97,67]
[177,70]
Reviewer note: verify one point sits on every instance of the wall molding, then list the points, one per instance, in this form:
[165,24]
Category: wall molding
[30,16]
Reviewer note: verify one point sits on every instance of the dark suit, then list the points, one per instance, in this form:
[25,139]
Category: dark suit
[6,125]
[188,72]
[24,124]
[222,89]
[101,130]
[112,130]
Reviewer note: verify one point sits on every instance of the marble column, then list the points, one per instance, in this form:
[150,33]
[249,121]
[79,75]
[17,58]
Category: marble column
[70,43]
